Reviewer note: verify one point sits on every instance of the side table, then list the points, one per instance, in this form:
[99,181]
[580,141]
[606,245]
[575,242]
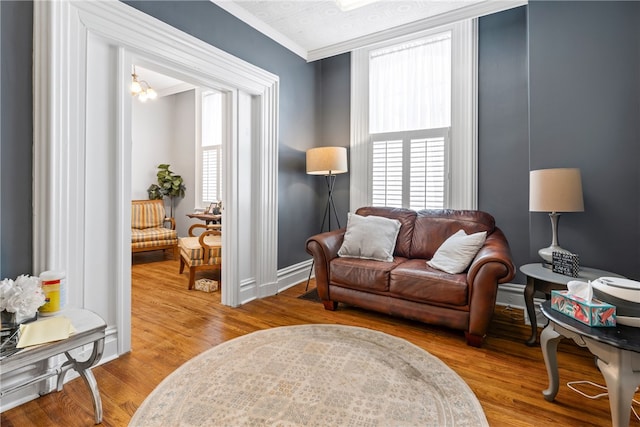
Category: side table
[618,357]
[89,329]
[542,279]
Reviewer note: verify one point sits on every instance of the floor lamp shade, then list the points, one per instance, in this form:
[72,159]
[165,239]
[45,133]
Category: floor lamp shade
[327,161]
[555,191]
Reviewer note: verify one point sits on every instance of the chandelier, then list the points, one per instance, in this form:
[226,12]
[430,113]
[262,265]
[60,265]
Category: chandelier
[141,88]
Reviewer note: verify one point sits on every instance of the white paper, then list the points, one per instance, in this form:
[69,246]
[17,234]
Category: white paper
[44,331]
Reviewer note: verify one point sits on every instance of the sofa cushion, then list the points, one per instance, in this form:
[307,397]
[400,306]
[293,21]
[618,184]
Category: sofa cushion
[147,214]
[415,280]
[457,252]
[433,227]
[153,234]
[362,274]
[406,218]
[369,237]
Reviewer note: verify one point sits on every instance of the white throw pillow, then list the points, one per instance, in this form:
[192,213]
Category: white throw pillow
[370,237]
[457,252]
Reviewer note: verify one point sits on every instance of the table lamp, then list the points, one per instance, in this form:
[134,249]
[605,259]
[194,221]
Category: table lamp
[555,191]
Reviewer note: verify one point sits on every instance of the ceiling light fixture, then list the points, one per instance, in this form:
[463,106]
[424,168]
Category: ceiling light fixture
[141,88]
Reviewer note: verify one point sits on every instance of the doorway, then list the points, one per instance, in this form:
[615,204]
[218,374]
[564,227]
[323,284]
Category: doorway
[82,153]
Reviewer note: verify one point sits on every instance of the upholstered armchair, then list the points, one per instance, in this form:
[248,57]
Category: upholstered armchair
[151,229]
[201,252]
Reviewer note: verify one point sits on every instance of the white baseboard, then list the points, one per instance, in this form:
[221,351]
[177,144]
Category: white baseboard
[294,274]
[512,295]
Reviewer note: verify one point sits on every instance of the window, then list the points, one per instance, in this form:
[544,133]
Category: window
[210,150]
[413,115]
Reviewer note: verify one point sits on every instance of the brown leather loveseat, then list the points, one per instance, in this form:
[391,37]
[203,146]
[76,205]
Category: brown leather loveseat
[407,286]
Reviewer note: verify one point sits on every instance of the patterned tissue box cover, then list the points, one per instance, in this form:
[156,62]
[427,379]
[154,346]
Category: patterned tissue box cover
[592,313]
[206,285]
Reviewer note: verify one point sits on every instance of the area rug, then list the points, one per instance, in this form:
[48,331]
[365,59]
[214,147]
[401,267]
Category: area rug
[312,375]
[311,295]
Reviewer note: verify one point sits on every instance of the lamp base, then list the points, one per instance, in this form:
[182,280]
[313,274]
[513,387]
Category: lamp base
[547,254]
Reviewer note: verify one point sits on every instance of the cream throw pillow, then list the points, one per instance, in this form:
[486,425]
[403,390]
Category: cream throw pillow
[370,237]
[457,252]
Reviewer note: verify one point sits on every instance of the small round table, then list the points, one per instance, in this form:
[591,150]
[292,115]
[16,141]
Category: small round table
[617,350]
[540,278]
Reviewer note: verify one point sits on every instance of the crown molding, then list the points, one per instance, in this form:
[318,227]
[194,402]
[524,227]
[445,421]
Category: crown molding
[249,19]
[468,12]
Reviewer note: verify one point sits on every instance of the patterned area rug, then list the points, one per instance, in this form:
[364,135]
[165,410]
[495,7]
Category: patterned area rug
[312,375]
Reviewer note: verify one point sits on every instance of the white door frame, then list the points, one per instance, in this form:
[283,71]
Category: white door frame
[60,213]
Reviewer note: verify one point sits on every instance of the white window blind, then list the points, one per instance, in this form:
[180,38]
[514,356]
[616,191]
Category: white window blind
[211,148]
[410,172]
[410,99]
[427,173]
[410,85]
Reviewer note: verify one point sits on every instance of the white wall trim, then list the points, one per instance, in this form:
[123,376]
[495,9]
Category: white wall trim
[469,12]
[249,19]
[293,275]
[61,31]
[461,14]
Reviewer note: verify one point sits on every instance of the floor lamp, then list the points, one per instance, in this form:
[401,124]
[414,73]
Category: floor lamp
[329,162]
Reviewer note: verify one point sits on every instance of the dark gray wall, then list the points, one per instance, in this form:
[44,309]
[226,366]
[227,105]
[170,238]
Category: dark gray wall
[298,104]
[503,127]
[334,98]
[584,105]
[584,80]
[16,136]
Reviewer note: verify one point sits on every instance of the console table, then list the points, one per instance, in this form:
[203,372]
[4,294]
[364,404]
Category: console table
[540,278]
[618,357]
[89,329]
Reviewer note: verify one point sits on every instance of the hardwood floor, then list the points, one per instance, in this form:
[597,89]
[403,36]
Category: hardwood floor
[171,325]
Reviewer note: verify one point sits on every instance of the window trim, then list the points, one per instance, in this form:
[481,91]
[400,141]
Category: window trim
[463,147]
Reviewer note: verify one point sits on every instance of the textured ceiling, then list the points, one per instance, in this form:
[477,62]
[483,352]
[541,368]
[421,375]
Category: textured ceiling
[315,29]
[318,24]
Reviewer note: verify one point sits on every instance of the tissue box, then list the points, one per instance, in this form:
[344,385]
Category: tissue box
[592,313]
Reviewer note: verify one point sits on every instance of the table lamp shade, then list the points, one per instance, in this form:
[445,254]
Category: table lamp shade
[555,190]
[327,161]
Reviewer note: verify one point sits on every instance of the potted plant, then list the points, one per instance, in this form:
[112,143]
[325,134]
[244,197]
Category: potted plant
[169,185]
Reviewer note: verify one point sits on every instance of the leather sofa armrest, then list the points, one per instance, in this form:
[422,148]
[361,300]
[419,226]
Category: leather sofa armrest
[495,249]
[324,247]
[491,266]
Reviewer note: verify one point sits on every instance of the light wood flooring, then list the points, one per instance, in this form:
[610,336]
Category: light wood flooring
[171,325]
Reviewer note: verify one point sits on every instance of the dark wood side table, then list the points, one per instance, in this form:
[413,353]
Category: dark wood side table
[207,218]
[542,279]
[617,350]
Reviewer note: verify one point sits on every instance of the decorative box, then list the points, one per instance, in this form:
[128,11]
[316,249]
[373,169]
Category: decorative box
[566,263]
[206,285]
[592,313]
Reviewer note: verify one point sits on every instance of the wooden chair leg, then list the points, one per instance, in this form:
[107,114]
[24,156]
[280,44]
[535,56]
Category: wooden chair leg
[181,265]
[192,277]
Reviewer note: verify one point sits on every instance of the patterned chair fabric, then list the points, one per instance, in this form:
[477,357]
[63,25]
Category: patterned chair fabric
[148,230]
[202,252]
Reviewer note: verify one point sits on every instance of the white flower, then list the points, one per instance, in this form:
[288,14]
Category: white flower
[23,296]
